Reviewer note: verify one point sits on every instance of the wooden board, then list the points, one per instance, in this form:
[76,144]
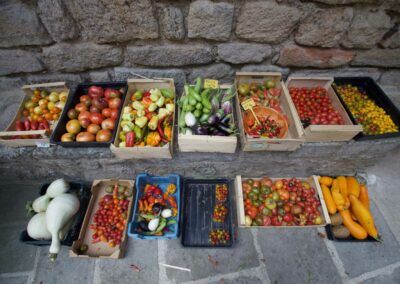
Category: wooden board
[294,138]
[44,139]
[208,143]
[146,152]
[101,249]
[313,180]
[325,133]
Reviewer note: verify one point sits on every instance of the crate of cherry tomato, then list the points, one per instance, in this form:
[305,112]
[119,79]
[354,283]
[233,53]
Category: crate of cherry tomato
[145,128]
[322,115]
[280,202]
[91,115]
[37,116]
[156,214]
[103,232]
[273,124]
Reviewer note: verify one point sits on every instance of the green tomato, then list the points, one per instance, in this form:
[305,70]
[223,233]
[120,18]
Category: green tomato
[256,203]
[270,203]
[265,189]
[255,190]
[250,181]
[199,106]
[266,211]
[259,220]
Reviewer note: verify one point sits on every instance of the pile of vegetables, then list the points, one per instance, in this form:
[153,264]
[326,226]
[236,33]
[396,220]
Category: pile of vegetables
[206,111]
[54,210]
[147,120]
[348,204]
[157,210]
[109,221]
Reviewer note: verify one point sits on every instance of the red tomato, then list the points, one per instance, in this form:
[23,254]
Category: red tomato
[114,114]
[96,118]
[108,123]
[106,112]
[252,212]
[114,103]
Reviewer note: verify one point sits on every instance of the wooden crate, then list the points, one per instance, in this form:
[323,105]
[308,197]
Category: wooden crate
[207,143]
[313,180]
[44,140]
[146,152]
[101,249]
[294,138]
[325,133]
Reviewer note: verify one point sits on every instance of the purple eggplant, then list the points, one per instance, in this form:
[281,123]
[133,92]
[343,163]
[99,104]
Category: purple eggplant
[213,119]
[227,107]
[200,130]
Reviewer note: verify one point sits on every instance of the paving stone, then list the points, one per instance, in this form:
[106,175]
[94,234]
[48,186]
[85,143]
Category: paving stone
[15,256]
[64,270]
[338,2]
[13,200]
[238,280]
[13,280]
[297,256]
[143,254]
[242,256]
[392,278]
[368,256]
[391,77]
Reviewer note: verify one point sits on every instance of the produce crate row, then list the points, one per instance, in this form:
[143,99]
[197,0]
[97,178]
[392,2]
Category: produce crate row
[136,118]
[97,221]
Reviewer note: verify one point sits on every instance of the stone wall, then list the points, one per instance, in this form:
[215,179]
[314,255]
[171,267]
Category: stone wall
[80,40]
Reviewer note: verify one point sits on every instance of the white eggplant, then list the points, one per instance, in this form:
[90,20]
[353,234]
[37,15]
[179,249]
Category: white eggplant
[60,210]
[57,187]
[37,228]
[153,224]
[41,203]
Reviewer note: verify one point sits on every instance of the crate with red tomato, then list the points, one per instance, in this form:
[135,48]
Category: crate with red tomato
[270,123]
[145,128]
[37,115]
[288,202]
[322,115]
[91,116]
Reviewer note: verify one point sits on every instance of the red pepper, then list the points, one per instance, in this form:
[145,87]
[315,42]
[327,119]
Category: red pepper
[27,124]
[34,125]
[146,94]
[146,101]
[19,126]
[41,126]
[130,139]
[160,128]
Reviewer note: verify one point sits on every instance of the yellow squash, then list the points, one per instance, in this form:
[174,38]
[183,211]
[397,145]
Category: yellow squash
[325,180]
[356,230]
[337,196]
[352,186]
[330,204]
[363,216]
[342,182]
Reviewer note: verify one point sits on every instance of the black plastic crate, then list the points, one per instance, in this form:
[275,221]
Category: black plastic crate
[82,89]
[83,193]
[375,93]
[198,205]
[331,237]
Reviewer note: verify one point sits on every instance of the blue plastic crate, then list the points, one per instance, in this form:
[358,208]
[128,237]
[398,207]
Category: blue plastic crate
[162,182]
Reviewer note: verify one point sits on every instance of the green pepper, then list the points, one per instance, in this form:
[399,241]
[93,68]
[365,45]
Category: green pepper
[138,95]
[197,113]
[204,117]
[167,93]
[197,87]
[199,106]
[141,121]
[138,132]
[161,226]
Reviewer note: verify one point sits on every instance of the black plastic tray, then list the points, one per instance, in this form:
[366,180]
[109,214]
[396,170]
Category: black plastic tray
[375,93]
[82,89]
[198,206]
[83,194]
[331,237]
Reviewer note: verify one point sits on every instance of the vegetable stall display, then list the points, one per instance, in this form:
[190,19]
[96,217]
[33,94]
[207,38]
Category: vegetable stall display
[265,202]
[322,115]
[54,211]
[348,204]
[206,118]
[103,232]
[267,118]
[145,129]
[37,115]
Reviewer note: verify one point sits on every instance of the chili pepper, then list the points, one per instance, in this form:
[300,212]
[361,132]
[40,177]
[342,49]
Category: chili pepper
[146,94]
[146,188]
[151,200]
[159,127]
[27,124]
[140,206]
[145,205]
[146,101]
[130,139]
[171,200]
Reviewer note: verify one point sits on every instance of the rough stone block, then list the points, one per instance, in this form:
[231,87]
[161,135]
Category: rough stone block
[210,20]
[222,72]
[172,23]
[265,68]
[342,2]
[239,53]
[45,78]
[377,57]
[57,20]
[303,250]
[367,28]
[324,27]
[169,55]
[391,77]
[67,57]
[19,25]
[109,21]
[266,21]
[18,61]
[296,56]
[8,83]
[340,72]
